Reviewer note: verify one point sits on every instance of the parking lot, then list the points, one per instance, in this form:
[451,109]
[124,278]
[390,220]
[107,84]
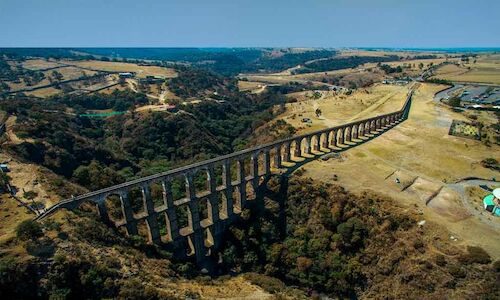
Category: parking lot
[480,94]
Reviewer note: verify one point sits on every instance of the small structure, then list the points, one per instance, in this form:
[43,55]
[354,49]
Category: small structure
[150,79]
[4,168]
[126,75]
[492,202]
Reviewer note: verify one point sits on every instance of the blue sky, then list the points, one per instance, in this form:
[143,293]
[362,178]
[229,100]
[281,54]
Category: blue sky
[236,23]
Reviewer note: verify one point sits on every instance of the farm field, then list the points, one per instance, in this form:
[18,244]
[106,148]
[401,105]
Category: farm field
[142,71]
[483,71]
[68,73]
[251,86]
[39,64]
[361,52]
[43,93]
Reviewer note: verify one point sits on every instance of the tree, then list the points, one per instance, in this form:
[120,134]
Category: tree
[57,75]
[454,102]
[28,230]
[96,176]
[420,66]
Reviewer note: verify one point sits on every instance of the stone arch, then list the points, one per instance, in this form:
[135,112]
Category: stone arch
[347,134]
[245,168]
[205,211]
[236,200]
[340,136]
[296,145]
[178,187]
[305,144]
[136,199]
[315,141]
[275,154]
[184,219]
[164,227]
[354,131]
[223,205]
[323,137]
[286,151]
[361,129]
[114,206]
[201,180]
[261,158]
[157,193]
[144,230]
[332,138]
[250,191]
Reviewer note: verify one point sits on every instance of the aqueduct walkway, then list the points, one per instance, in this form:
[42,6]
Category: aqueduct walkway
[193,222]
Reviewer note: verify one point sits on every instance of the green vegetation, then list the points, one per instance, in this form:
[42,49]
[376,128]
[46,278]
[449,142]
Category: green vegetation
[16,74]
[97,152]
[454,102]
[338,63]
[438,81]
[117,101]
[389,70]
[490,163]
[28,230]
[196,82]
[346,245]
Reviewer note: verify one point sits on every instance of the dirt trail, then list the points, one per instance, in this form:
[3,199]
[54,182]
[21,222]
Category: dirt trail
[9,124]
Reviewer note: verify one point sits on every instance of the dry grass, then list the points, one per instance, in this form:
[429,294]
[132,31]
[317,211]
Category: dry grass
[45,92]
[483,71]
[418,148]
[67,72]
[142,71]
[11,214]
[38,64]
[251,86]
[338,108]
[384,53]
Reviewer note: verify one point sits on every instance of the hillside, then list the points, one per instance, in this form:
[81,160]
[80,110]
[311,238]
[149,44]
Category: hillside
[336,243]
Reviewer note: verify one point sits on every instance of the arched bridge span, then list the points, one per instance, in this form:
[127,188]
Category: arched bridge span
[190,214]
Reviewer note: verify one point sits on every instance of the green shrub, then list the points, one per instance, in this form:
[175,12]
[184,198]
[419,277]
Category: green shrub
[457,271]
[454,102]
[440,260]
[28,230]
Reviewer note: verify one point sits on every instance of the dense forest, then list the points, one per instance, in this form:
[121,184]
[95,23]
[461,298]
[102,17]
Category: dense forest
[338,63]
[57,136]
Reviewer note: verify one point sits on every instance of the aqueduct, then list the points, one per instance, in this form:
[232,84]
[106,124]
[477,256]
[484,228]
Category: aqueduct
[193,220]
